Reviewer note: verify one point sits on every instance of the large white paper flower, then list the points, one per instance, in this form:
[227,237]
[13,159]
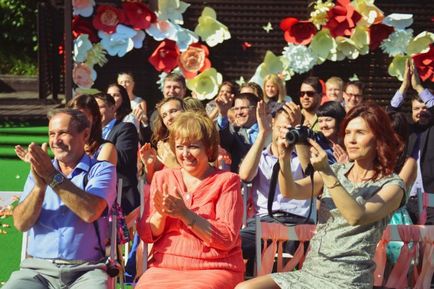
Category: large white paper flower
[82,45]
[398,20]
[346,48]
[360,38]
[206,84]
[420,43]
[298,58]
[120,42]
[210,30]
[397,42]
[83,7]
[322,45]
[172,10]
[162,29]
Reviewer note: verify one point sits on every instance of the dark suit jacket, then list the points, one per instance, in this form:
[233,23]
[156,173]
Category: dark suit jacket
[124,136]
[236,141]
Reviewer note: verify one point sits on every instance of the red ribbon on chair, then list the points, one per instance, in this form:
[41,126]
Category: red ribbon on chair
[428,258]
[398,277]
[304,233]
[380,258]
[423,214]
[273,232]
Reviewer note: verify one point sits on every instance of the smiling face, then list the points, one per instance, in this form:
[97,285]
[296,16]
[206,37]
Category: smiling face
[126,81]
[309,98]
[334,92]
[244,112]
[271,89]
[327,125]
[352,96]
[66,142]
[114,91]
[169,111]
[173,89]
[359,140]
[192,156]
[225,91]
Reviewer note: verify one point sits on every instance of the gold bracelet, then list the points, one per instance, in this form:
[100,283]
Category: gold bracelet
[334,185]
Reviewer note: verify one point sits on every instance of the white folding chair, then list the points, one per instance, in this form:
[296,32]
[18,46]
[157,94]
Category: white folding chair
[424,201]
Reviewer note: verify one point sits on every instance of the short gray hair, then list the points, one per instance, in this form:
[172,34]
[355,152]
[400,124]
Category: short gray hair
[78,119]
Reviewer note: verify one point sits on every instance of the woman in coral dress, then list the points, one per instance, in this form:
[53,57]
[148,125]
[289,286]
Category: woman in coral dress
[195,214]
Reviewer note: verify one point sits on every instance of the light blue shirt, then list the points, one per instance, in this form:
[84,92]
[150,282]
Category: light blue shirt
[261,185]
[108,128]
[252,132]
[61,234]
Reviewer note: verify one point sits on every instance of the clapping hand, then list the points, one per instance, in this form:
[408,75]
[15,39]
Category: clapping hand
[293,112]
[169,204]
[263,118]
[340,154]
[224,103]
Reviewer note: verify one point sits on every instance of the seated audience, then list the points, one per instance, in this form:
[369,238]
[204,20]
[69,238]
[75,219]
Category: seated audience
[334,90]
[310,100]
[357,200]
[353,94]
[194,216]
[257,168]
[62,213]
[124,136]
[274,92]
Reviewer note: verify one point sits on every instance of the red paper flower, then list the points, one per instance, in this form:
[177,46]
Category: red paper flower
[194,60]
[165,57]
[377,33]
[424,63]
[82,25]
[107,18]
[342,19]
[296,31]
[138,15]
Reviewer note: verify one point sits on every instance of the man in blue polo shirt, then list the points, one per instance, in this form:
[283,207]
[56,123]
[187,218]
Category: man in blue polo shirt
[62,209]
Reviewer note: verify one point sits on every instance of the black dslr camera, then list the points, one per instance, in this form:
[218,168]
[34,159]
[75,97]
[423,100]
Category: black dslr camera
[300,134]
[112,267]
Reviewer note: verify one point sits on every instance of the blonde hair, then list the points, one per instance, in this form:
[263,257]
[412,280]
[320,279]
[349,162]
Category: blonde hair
[335,80]
[191,125]
[277,82]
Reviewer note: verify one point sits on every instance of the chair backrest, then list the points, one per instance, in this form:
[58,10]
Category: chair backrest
[420,237]
[246,192]
[425,200]
[274,235]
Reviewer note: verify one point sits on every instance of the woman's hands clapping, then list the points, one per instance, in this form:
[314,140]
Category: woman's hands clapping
[168,204]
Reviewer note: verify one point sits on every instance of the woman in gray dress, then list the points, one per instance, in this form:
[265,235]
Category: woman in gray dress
[357,200]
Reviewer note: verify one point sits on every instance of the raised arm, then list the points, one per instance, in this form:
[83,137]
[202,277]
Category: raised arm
[249,166]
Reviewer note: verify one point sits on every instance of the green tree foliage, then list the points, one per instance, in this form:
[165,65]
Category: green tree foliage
[18,36]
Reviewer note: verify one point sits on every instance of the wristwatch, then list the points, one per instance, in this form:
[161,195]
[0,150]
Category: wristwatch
[58,178]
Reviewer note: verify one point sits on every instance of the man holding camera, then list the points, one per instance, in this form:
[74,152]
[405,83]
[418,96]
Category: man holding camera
[62,209]
[257,168]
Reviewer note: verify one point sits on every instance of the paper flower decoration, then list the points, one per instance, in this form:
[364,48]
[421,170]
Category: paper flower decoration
[82,25]
[172,10]
[298,58]
[82,45]
[319,16]
[397,42]
[371,14]
[342,19]
[184,38]
[165,56]
[240,81]
[206,84]
[322,45]
[397,66]
[97,55]
[296,31]
[398,21]
[138,15]
[162,30]
[210,30]
[360,39]
[107,18]
[420,43]
[83,7]
[345,48]
[424,63]
[138,39]
[272,65]
[377,33]
[83,75]
[194,60]
[120,42]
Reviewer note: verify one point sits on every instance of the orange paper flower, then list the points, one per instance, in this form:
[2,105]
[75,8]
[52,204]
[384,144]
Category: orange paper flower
[194,60]
[342,19]
[298,32]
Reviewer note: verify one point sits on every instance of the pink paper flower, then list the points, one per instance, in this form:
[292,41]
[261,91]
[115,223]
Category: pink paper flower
[138,15]
[298,32]
[82,75]
[165,56]
[107,18]
[342,19]
[194,60]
